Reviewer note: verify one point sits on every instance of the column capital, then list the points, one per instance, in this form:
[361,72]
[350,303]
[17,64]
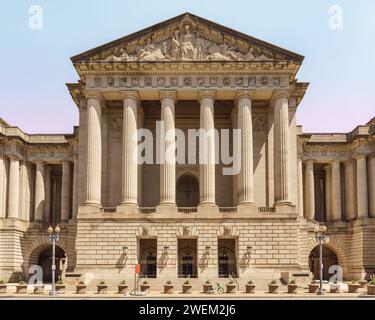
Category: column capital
[244,94]
[309,162]
[206,94]
[13,156]
[39,162]
[359,156]
[130,94]
[167,94]
[279,94]
[94,95]
[335,161]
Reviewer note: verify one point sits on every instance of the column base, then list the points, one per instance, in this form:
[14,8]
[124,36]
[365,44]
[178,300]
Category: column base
[127,208]
[166,208]
[247,207]
[283,206]
[208,208]
[89,207]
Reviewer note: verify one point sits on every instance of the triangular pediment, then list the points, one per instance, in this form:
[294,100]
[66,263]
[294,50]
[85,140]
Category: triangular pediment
[187,38]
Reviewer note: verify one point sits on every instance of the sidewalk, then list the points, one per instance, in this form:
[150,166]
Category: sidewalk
[303,294]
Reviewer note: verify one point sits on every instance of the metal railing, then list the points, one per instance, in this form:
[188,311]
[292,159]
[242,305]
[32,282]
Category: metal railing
[227,209]
[187,209]
[147,209]
[266,209]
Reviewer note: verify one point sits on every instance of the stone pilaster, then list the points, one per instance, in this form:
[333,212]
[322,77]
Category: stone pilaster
[140,124]
[207,151]
[336,191]
[350,191]
[40,193]
[362,205]
[75,187]
[310,197]
[129,202]
[24,192]
[246,176]
[300,187]
[2,186]
[234,118]
[371,186]
[65,191]
[94,150]
[328,193]
[168,161]
[281,150]
[13,187]
[47,204]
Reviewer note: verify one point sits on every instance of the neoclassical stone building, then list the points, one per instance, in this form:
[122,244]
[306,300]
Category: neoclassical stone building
[187,220]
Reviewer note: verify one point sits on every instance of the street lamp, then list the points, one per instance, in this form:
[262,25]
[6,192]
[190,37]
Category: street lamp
[53,235]
[320,231]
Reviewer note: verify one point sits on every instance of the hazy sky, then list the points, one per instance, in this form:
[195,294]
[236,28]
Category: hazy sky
[339,62]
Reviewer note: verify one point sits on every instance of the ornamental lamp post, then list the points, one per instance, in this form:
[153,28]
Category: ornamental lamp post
[53,236]
[320,236]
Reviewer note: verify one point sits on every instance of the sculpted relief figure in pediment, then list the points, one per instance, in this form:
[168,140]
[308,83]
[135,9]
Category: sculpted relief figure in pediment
[185,45]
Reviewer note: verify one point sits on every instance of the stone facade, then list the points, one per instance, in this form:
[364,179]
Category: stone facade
[180,220]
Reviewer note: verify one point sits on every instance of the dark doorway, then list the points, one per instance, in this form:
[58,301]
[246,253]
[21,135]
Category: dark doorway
[329,259]
[45,261]
[148,257]
[227,259]
[187,191]
[187,258]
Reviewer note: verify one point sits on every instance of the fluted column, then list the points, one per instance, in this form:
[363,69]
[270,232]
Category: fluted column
[281,152]
[94,150]
[328,193]
[40,192]
[371,186]
[13,187]
[300,187]
[47,205]
[245,124]
[168,163]
[129,153]
[350,190]
[24,209]
[65,191]
[310,196]
[336,191]
[75,187]
[362,205]
[207,150]
[2,186]
[234,118]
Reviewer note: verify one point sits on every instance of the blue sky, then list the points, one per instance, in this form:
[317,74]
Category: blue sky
[339,64]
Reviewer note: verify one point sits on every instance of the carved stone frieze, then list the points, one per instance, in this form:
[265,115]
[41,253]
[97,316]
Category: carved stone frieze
[182,81]
[185,44]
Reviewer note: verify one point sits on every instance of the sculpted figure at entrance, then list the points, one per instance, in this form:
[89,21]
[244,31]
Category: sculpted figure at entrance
[186,44]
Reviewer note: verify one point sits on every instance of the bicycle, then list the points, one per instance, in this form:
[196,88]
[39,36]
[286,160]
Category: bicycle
[217,289]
